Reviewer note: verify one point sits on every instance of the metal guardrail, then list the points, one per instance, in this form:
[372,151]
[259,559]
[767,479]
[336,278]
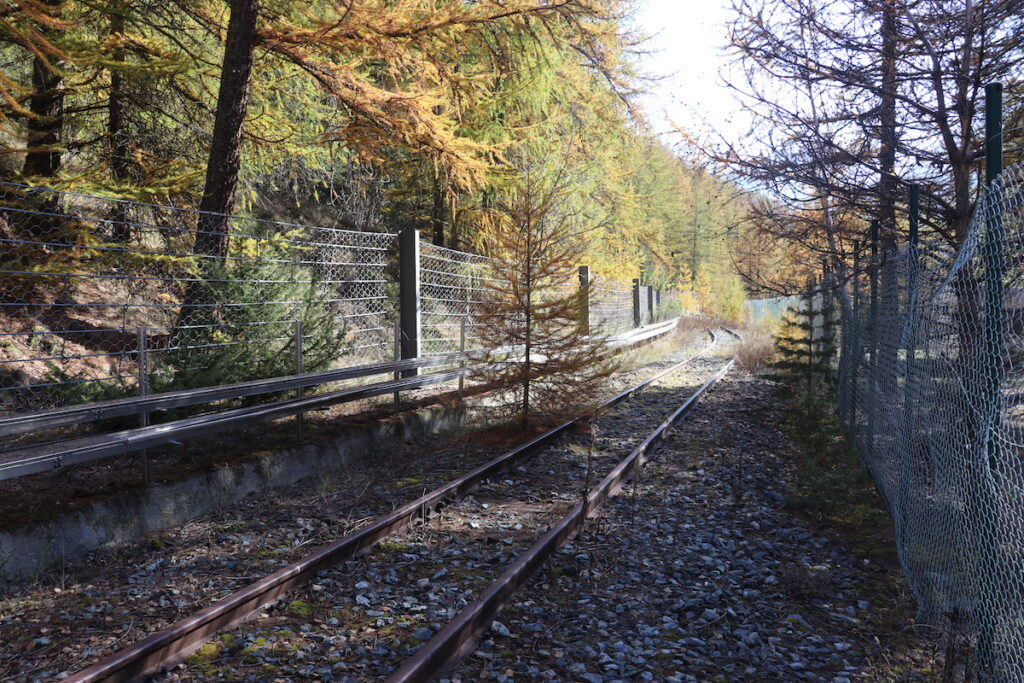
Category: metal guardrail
[135,405]
[36,459]
[53,456]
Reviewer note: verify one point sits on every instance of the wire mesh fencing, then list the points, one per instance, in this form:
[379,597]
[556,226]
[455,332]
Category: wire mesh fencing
[102,298]
[453,284]
[611,306]
[758,310]
[931,387]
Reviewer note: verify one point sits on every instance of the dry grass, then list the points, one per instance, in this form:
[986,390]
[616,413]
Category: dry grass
[692,330]
[756,351]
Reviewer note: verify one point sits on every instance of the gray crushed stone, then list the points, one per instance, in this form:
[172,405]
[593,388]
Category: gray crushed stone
[696,574]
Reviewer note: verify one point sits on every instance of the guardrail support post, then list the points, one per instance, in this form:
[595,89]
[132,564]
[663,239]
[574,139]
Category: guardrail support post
[143,356]
[409,296]
[299,417]
[585,300]
[462,349]
[398,356]
[636,302]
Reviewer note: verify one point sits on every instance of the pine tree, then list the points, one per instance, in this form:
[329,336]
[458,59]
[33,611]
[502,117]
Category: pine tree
[806,346]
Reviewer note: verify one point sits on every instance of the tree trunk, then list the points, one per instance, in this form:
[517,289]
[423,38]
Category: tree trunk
[961,219]
[888,279]
[887,133]
[225,148]
[117,134]
[45,126]
[225,151]
[437,209]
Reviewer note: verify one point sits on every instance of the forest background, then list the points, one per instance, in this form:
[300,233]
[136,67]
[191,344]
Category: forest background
[371,115]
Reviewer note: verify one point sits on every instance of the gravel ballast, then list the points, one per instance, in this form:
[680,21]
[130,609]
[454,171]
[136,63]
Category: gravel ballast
[360,620]
[695,574]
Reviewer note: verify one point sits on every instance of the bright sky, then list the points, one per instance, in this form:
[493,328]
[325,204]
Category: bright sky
[687,44]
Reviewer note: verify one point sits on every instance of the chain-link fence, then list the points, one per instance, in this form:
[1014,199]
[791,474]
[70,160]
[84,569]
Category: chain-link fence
[102,297]
[452,286]
[759,310]
[611,306]
[931,386]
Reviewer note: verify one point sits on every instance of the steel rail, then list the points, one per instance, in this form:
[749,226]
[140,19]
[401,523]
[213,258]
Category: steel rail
[173,644]
[449,646]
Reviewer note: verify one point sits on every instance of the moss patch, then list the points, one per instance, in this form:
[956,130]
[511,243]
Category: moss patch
[204,655]
[300,609]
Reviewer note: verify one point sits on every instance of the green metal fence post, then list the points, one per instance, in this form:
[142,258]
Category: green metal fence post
[856,350]
[907,448]
[825,337]
[811,339]
[992,365]
[872,383]
[912,269]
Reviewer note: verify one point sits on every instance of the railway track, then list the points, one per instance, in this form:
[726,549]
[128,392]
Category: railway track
[517,505]
[458,638]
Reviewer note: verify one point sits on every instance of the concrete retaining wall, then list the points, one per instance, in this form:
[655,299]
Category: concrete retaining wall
[33,548]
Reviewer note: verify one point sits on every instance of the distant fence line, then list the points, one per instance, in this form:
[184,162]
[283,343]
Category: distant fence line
[757,310]
[104,297]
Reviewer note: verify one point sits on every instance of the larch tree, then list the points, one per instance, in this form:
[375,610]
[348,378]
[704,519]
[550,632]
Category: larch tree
[848,119]
[539,346]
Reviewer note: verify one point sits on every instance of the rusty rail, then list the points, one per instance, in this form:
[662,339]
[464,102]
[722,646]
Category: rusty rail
[173,644]
[442,653]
